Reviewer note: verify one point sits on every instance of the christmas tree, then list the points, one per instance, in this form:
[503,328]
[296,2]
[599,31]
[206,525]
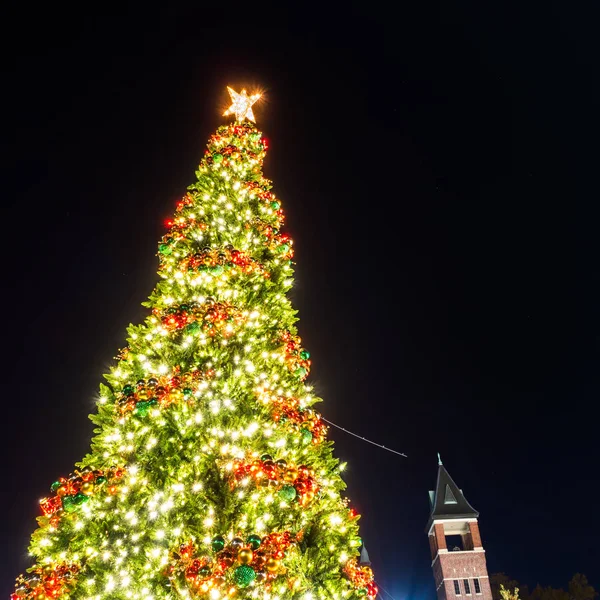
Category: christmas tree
[210,474]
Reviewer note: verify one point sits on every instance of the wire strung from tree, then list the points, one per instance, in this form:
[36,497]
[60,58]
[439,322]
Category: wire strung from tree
[364,439]
[384,590]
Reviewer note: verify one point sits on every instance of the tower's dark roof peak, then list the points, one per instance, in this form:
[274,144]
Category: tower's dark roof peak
[448,500]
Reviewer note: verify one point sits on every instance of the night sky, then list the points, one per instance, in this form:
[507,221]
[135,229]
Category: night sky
[438,167]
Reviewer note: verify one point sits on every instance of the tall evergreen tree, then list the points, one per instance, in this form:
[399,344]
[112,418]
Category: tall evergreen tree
[210,474]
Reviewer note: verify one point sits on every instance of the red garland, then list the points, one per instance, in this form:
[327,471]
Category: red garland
[361,577]
[73,490]
[205,571]
[162,391]
[226,258]
[278,474]
[296,358]
[288,411]
[215,317]
[187,200]
[47,581]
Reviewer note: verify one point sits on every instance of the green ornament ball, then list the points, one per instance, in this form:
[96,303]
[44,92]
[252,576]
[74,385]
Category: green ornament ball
[68,504]
[128,390]
[217,158]
[287,493]
[204,571]
[275,205]
[80,499]
[305,355]
[253,541]
[306,436]
[300,371]
[361,592]
[244,576]
[165,249]
[141,408]
[192,327]
[217,543]
[100,480]
[55,485]
[265,457]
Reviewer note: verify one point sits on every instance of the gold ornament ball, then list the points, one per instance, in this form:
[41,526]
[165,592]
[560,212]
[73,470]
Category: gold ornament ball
[87,488]
[245,556]
[290,475]
[143,394]
[368,572]
[307,497]
[61,491]
[272,565]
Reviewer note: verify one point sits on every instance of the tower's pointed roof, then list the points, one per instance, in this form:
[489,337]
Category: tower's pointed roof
[448,500]
[364,556]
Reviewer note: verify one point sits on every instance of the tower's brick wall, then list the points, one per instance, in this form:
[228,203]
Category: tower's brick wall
[438,576]
[460,566]
[475,535]
[440,537]
[432,546]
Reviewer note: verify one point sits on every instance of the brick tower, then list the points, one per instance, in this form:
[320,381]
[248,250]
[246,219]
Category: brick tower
[457,555]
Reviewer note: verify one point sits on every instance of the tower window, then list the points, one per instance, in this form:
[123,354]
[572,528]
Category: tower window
[467,587]
[456,587]
[477,586]
[449,497]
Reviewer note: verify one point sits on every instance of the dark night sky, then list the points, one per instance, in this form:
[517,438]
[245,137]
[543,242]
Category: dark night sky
[444,219]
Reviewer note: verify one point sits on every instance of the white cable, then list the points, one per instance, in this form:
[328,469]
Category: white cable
[364,439]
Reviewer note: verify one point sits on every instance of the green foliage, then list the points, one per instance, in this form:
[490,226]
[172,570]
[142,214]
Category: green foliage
[505,588]
[508,594]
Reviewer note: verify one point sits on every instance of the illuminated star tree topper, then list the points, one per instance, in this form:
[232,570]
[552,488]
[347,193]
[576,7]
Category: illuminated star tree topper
[241,105]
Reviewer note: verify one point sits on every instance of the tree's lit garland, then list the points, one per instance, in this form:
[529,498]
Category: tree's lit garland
[288,482]
[49,581]
[74,491]
[228,486]
[161,391]
[230,565]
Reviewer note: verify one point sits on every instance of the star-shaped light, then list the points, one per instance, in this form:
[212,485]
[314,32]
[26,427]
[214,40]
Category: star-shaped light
[241,105]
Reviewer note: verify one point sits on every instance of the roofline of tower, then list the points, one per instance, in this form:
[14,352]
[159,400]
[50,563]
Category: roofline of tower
[439,507]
